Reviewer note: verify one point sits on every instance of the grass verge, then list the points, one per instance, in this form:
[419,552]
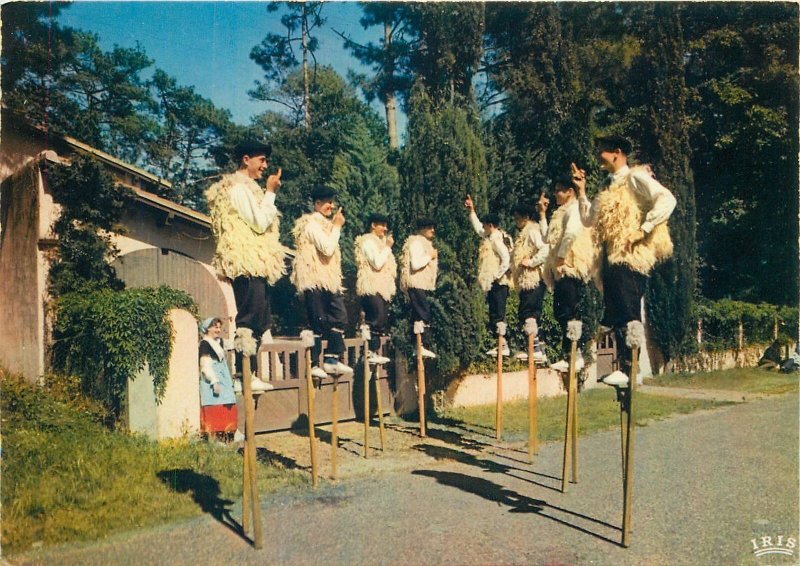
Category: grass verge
[66,477]
[748,380]
[597,410]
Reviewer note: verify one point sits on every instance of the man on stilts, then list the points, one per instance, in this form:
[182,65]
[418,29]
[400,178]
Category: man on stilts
[629,218]
[527,261]
[494,262]
[375,281]
[245,223]
[317,274]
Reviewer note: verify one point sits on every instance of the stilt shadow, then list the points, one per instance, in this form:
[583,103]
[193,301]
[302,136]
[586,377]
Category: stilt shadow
[206,493]
[443,453]
[514,501]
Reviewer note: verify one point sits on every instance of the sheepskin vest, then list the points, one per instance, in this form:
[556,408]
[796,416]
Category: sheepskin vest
[371,281]
[525,277]
[489,264]
[240,250]
[580,259]
[621,213]
[312,269]
[425,278]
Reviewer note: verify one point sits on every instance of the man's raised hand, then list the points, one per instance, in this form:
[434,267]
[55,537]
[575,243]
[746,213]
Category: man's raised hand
[338,218]
[274,181]
[579,179]
[469,204]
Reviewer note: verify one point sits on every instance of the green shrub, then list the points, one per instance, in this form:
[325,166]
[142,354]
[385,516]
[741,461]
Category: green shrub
[721,320]
[105,337]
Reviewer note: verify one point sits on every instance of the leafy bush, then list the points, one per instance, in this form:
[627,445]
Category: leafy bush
[104,337]
[720,320]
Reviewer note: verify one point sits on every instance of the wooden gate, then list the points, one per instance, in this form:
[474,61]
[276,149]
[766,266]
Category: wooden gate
[606,354]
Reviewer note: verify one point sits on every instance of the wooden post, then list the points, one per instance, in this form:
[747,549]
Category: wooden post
[250,449]
[421,386]
[366,399]
[533,443]
[335,426]
[499,411]
[628,483]
[570,422]
[311,431]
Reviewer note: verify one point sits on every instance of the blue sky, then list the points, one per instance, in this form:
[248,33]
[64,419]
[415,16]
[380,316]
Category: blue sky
[207,44]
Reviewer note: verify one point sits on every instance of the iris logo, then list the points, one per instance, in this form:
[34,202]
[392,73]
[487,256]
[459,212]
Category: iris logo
[773,545]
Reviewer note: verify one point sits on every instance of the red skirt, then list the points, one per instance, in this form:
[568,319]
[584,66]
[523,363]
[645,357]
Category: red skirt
[218,418]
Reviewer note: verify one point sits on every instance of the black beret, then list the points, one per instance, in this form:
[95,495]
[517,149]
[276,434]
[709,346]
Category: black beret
[251,148]
[378,218]
[613,142]
[524,210]
[322,192]
[564,181]
[491,218]
[425,222]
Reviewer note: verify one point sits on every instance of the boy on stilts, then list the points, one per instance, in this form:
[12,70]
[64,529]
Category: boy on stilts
[527,262]
[494,262]
[245,223]
[568,266]
[629,218]
[375,281]
[419,265]
[317,274]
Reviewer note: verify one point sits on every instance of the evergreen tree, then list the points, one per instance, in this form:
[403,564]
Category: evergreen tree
[443,161]
[662,130]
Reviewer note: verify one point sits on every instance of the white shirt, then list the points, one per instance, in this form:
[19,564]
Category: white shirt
[660,200]
[323,234]
[259,214]
[498,246]
[377,258]
[572,226]
[418,257]
[543,248]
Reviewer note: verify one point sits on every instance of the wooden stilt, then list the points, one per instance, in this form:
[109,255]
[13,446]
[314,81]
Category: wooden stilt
[335,426]
[246,503]
[366,399]
[312,437]
[421,386]
[574,385]
[570,421]
[499,411]
[380,411]
[623,426]
[250,449]
[533,402]
[628,483]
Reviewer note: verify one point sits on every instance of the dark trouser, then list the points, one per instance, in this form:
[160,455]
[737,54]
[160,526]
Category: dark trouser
[623,290]
[566,296]
[376,316]
[530,303]
[420,310]
[496,298]
[327,317]
[253,310]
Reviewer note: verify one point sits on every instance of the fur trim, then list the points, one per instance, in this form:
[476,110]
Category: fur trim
[419,327]
[370,281]
[245,343]
[501,328]
[307,338]
[525,277]
[425,278]
[619,215]
[581,259]
[365,332]
[574,330]
[635,337]
[240,250]
[531,327]
[311,269]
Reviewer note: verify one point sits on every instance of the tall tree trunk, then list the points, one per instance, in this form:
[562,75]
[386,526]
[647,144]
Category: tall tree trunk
[306,88]
[390,102]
